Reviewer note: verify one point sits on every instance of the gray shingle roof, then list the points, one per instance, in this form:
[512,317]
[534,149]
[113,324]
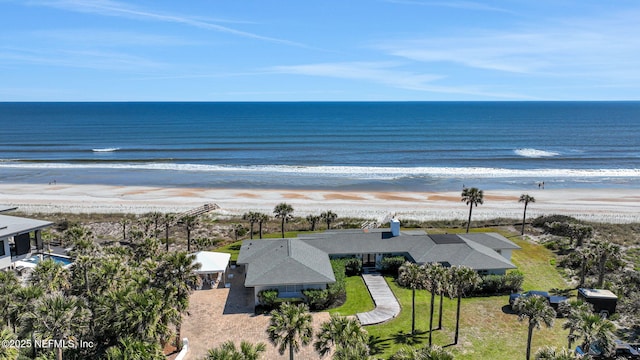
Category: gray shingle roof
[13,225]
[491,240]
[284,262]
[305,260]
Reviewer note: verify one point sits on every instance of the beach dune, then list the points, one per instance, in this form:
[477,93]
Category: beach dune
[603,205]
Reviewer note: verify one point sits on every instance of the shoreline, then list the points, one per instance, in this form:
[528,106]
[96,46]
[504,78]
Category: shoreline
[599,205]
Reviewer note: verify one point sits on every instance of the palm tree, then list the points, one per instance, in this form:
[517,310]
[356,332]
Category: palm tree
[290,326]
[357,351]
[146,223]
[7,352]
[50,276]
[156,218]
[250,351]
[313,220]
[329,217]
[462,279]
[573,310]
[75,234]
[189,222]
[283,212]
[237,229]
[550,353]
[58,317]
[169,219]
[538,311]
[425,353]
[228,351]
[435,273]
[343,333]
[262,218]
[472,197]
[9,285]
[252,217]
[23,298]
[579,232]
[124,222]
[129,348]
[174,274]
[80,282]
[412,276]
[603,251]
[594,329]
[526,199]
[586,255]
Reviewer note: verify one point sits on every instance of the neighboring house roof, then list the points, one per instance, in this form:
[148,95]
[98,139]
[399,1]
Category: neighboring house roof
[284,262]
[13,225]
[305,260]
[211,262]
[7,208]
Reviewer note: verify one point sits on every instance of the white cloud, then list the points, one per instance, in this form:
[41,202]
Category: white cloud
[99,60]
[464,5]
[596,48]
[386,73]
[106,38]
[118,9]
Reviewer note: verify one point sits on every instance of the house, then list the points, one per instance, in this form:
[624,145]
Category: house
[291,265]
[18,236]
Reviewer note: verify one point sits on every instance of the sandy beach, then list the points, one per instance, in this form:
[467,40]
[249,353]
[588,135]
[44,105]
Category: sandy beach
[603,205]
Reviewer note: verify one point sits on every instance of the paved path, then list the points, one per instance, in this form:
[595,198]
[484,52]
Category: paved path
[387,306]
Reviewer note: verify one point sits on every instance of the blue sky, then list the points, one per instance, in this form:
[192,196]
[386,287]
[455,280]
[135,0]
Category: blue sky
[298,50]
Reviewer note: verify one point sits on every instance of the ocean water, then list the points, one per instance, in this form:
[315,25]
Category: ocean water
[393,146]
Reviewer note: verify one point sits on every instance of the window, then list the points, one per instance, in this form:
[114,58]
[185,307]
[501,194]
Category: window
[2,253]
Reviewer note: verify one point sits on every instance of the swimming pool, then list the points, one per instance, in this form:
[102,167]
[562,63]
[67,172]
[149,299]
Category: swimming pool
[57,258]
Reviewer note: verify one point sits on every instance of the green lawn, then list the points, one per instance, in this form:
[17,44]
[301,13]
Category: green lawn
[233,249]
[488,330]
[358,298]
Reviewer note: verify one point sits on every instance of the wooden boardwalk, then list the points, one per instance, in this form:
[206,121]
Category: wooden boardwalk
[387,306]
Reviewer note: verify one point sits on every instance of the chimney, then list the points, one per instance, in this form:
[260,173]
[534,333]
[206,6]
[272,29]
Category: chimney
[395,227]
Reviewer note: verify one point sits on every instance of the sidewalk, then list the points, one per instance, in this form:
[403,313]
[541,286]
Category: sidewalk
[387,306]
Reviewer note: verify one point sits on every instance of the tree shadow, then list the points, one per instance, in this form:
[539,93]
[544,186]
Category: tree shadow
[408,338]
[377,345]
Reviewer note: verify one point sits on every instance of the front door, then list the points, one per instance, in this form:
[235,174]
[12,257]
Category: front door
[369,260]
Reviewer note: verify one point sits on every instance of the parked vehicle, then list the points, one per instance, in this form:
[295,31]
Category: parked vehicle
[623,350]
[604,301]
[553,300]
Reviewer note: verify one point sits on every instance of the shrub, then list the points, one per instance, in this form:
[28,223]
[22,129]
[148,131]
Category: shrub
[268,298]
[338,289]
[316,299]
[500,284]
[540,221]
[353,266]
[391,264]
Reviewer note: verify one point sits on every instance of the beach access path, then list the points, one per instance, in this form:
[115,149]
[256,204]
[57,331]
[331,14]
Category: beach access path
[387,306]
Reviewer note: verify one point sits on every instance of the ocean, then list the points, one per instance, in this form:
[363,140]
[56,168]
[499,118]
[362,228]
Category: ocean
[385,146]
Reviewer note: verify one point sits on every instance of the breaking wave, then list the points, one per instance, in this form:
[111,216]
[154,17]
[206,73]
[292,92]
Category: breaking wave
[350,172]
[535,153]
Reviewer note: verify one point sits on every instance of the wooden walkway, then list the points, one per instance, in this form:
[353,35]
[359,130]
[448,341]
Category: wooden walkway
[387,306]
